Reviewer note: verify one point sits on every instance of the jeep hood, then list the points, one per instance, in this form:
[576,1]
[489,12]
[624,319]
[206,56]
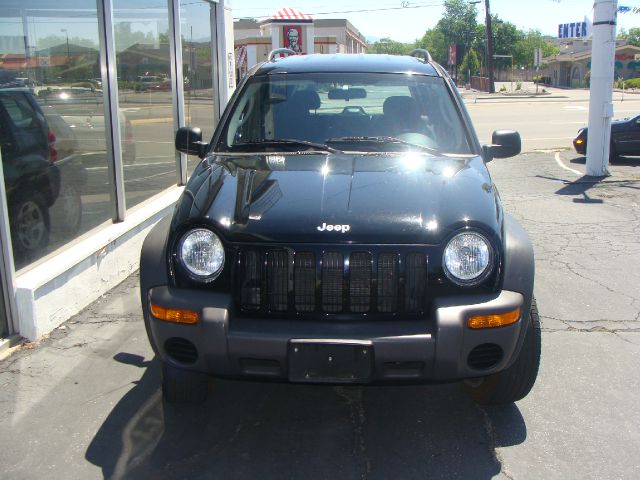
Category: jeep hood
[365,199]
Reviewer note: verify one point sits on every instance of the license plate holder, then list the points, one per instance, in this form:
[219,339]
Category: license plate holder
[315,361]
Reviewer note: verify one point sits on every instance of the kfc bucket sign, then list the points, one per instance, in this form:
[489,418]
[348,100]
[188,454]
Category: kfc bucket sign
[293,38]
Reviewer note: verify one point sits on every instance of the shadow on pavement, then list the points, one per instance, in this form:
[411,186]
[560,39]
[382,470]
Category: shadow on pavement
[581,187]
[618,161]
[268,431]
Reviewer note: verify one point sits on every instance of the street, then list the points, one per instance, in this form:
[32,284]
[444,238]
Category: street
[93,385]
[546,122]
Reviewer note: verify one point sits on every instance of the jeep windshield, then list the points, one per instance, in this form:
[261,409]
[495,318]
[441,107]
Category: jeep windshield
[350,112]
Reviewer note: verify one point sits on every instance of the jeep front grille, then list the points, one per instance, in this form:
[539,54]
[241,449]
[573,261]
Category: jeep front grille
[282,280]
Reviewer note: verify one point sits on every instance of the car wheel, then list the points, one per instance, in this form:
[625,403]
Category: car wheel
[613,153]
[515,382]
[29,226]
[183,386]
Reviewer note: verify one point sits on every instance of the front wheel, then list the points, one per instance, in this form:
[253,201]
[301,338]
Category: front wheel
[183,386]
[613,153]
[515,382]
[29,218]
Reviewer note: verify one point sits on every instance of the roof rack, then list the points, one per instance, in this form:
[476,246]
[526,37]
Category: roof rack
[421,51]
[279,51]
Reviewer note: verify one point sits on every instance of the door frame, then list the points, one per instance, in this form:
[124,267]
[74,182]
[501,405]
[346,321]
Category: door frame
[8,271]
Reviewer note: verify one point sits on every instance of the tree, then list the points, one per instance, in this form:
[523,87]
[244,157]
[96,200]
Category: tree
[57,40]
[391,47]
[632,37]
[505,36]
[524,49]
[470,65]
[458,20]
[433,40]
[125,37]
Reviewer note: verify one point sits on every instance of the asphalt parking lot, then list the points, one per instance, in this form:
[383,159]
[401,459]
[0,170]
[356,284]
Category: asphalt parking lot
[85,402]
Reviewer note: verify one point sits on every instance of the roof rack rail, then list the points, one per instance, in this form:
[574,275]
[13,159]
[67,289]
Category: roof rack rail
[421,51]
[278,51]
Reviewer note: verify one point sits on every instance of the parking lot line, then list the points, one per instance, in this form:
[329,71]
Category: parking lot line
[559,162]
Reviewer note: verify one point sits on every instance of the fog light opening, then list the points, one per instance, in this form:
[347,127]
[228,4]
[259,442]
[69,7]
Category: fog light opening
[174,315]
[494,320]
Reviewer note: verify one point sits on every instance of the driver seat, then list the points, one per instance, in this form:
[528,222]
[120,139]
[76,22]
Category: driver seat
[401,114]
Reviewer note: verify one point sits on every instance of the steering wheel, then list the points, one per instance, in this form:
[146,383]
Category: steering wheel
[353,110]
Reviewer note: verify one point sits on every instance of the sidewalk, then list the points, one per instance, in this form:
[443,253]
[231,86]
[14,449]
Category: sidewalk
[85,401]
[528,92]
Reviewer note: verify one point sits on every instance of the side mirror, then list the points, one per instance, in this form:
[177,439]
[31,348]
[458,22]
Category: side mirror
[504,144]
[189,141]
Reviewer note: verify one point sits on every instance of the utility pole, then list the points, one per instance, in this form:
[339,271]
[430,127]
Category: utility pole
[67,34]
[487,10]
[601,90]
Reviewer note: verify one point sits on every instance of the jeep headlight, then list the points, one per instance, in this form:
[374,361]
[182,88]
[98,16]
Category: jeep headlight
[468,258]
[201,254]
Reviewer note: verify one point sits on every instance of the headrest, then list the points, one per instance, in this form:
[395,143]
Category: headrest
[401,106]
[306,100]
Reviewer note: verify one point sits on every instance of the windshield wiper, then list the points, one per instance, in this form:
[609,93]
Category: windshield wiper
[285,142]
[381,140]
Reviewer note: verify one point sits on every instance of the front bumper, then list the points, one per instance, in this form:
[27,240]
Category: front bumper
[420,350]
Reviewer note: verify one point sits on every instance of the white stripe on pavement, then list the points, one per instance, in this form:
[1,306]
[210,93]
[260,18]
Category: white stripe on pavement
[577,172]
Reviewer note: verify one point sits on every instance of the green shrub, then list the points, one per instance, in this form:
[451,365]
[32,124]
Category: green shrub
[632,83]
[518,85]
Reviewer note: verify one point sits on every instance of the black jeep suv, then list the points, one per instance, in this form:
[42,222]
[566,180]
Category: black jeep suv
[342,227]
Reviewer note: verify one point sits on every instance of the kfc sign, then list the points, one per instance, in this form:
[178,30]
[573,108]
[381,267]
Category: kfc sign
[293,38]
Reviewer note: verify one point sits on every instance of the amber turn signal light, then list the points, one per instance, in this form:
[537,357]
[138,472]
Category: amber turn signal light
[174,315]
[579,141]
[494,320]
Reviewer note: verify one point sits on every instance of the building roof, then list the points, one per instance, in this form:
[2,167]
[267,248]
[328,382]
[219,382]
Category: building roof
[290,14]
[584,54]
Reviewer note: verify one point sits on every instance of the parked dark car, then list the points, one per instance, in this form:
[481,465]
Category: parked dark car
[625,138]
[32,178]
[342,227]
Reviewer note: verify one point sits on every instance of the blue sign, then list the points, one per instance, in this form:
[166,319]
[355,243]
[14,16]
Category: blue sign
[572,30]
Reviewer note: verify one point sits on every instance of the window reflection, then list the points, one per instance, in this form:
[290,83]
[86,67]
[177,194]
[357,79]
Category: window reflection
[197,69]
[141,34]
[52,125]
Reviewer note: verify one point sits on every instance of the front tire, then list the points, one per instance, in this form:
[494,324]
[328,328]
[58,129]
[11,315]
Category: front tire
[515,382]
[183,386]
[613,153]
[29,226]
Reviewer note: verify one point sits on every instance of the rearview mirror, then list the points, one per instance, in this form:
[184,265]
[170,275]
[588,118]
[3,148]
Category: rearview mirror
[189,141]
[347,93]
[504,144]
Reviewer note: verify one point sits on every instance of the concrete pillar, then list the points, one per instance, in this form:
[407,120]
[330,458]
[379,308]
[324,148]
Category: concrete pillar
[252,55]
[225,52]
[601,92]
[309,46]
[275,38]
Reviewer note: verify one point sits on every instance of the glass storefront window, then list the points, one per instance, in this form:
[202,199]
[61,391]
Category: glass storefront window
[52,125]
[141,33]
[197,58]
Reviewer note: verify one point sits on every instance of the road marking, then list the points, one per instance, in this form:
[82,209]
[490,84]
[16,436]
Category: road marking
[575,107]
[559,162]
[145,121]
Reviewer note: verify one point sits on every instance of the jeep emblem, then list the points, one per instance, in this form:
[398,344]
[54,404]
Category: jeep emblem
[334,228]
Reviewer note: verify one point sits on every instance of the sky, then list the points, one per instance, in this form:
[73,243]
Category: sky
[408,24]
